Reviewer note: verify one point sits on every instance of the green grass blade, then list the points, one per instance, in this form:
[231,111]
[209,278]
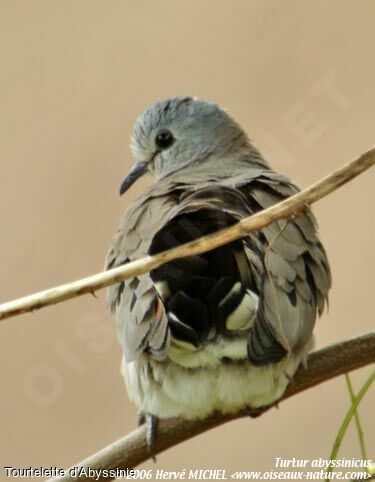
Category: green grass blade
[358,424]
[345,424]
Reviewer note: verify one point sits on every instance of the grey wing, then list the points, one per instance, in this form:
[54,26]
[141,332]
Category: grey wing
[284,265]
[295,279]
[140,317]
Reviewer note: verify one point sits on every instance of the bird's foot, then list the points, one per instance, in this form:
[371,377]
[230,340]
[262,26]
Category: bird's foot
[254,412]
[151,422]
[141,418]
[289,378]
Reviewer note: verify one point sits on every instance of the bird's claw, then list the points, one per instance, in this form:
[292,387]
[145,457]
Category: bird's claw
[254,412]
[289,378]
[151,422]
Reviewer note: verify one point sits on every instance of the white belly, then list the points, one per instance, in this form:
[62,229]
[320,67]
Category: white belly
[168,389]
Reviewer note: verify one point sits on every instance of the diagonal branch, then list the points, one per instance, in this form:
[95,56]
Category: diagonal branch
[285,209]
[131,450]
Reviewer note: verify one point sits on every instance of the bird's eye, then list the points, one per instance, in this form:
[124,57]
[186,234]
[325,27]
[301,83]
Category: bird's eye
[164,139]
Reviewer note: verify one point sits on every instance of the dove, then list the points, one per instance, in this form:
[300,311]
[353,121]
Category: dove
[225,330]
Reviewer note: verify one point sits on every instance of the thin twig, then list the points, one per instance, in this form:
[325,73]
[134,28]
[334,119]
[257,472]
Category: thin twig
[285,209]
[132,449]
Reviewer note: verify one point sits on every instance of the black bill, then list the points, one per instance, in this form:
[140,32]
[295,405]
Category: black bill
[135,173]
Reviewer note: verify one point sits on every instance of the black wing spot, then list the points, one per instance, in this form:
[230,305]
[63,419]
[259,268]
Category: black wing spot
[120,290]
[293,297]
[310,278]
[134,283]
[133,302]
[263,348]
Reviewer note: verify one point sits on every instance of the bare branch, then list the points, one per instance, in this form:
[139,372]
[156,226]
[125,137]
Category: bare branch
[285,209]
[323,365]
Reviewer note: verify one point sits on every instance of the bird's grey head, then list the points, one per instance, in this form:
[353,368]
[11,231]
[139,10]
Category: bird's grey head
[179,132]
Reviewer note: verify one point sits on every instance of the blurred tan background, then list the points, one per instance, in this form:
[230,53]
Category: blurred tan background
[299,76]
